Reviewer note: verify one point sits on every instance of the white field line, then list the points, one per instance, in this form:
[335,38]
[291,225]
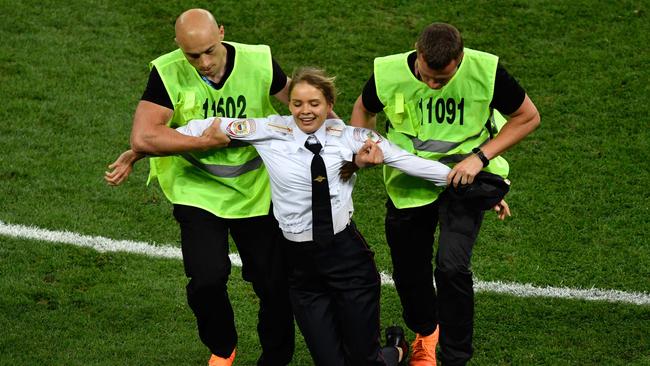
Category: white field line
[102,244]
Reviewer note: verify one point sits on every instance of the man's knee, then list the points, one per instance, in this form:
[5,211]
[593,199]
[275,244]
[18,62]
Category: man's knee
[208,283]
[453,278]
[454,274]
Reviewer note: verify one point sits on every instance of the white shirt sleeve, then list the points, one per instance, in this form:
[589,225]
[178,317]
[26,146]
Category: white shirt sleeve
[195,127]
[249,129]
[396,157]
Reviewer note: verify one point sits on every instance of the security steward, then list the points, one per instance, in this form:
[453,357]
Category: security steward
[442,102]
[216,192]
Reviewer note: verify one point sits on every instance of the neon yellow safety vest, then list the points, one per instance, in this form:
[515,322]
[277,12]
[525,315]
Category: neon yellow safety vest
[443,125]
[230,182]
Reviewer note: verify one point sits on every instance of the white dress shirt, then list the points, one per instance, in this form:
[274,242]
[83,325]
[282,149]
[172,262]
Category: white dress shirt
[280,143]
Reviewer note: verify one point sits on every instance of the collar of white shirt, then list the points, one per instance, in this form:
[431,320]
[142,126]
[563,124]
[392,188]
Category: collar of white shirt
[301,137]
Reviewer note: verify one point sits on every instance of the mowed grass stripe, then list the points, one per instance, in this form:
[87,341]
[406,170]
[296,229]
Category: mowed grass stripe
[103,244]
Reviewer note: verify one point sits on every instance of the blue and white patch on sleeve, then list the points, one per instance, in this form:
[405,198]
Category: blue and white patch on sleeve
[364,134]
[240,128]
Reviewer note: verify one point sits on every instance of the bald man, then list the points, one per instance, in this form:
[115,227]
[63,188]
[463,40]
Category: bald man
[216,192]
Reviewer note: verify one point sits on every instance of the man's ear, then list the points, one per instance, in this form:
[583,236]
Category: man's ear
[222,33]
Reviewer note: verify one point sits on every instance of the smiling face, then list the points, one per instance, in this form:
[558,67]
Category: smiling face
[308,106]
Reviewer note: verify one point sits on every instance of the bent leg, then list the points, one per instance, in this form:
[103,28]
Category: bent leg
[204,244]
[356,286]
[313,305]
[410,236]
[459,227]
[258,240]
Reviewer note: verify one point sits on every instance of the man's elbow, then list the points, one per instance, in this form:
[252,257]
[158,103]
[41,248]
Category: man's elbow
[531,114]
[139,145]
[361,117]
[535,120]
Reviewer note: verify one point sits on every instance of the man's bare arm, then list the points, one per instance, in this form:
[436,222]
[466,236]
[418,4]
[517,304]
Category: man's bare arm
[151,135]
[520,124]
[283,95]
[361,117]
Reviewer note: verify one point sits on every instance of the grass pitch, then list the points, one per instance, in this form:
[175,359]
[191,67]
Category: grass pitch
[72,72]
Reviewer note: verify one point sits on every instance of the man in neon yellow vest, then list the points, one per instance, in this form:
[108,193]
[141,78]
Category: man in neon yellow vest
[441,100]
[216,192]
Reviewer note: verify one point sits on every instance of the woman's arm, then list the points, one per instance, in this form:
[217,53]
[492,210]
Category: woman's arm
[396,157]
[250,129]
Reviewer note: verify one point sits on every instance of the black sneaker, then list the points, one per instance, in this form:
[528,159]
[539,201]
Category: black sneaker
[395,338]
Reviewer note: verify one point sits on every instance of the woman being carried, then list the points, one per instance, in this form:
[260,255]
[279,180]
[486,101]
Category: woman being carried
[334,283]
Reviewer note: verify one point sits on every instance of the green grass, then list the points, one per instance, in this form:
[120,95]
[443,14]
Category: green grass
[72,72]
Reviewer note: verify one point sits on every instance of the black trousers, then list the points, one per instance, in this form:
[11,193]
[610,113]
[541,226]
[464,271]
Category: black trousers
[204,241]
[410,235]
[335,291]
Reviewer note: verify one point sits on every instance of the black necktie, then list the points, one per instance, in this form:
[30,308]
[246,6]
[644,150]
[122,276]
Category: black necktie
[323,229]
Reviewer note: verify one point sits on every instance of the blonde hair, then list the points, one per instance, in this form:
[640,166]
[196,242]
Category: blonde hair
[317,78]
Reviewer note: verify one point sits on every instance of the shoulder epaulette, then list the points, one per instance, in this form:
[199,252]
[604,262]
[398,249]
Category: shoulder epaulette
[334,127]
[279,125]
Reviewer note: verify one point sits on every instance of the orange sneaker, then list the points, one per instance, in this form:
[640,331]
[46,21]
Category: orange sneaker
[219,361]
[424,350]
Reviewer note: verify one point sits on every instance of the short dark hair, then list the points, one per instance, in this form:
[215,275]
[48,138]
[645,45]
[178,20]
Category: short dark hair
[439,44]
[317,78]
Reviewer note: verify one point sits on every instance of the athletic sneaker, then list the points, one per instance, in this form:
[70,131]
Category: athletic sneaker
[220,361]
[424,350]
[395,338]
